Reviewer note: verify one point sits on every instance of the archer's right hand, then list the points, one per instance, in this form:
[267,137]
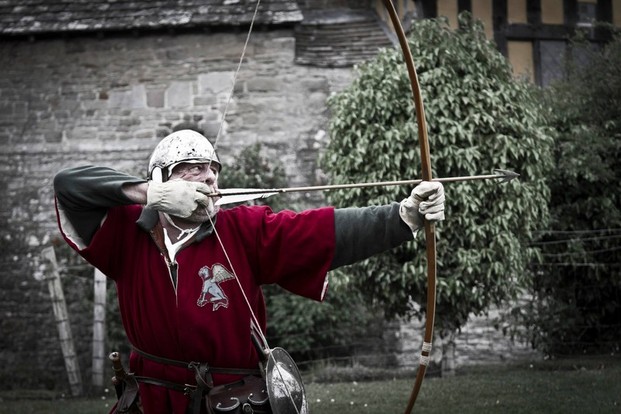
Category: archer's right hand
[177,197]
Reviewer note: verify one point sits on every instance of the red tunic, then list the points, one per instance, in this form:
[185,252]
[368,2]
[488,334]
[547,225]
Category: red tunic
[205,318]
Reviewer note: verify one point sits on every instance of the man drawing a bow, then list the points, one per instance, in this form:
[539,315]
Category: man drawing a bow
[189,274]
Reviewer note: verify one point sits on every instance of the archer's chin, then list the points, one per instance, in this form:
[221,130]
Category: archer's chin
[203,215]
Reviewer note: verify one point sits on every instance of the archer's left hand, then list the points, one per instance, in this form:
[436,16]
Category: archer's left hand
[425,203]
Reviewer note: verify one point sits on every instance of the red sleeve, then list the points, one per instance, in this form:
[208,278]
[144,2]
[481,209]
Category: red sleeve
[293,250]
[117,234]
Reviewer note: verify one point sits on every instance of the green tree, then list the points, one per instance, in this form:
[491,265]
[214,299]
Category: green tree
[480,118]
[252,169]
[578,287]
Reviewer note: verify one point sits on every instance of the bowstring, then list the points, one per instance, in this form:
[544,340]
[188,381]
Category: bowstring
[230,262]
[215,145]
[220,242]
[270,355]
[235,75]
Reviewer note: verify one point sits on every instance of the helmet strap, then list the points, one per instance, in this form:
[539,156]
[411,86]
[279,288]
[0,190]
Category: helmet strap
[157,175]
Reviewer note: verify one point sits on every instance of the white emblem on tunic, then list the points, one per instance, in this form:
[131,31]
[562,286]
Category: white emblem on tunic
[211,291]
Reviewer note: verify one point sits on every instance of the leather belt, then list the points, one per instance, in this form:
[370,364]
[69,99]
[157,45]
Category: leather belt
[202,370]
[190,365]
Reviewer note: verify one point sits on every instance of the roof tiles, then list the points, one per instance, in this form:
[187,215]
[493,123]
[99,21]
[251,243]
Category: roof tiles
[31,17]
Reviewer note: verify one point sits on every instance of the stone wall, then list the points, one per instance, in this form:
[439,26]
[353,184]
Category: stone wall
[478,342]
[108,101]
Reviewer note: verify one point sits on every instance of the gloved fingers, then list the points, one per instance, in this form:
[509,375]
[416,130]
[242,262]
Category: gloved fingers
[435,217]
[426,201]
[203,188]
[437,196]
[201,199]
[410,206]
[408,211]
[434,200]
[426,208]
[428,190]
[206,203]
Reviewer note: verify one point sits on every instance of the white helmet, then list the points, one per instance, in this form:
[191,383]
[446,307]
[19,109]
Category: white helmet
[181,146]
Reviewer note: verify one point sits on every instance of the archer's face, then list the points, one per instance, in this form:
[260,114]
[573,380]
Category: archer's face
[197,172]
[203,173]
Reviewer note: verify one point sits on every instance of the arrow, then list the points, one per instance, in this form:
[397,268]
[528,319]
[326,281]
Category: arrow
[239,195]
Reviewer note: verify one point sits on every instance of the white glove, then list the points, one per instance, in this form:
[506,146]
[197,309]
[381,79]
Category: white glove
[425,202]
[178,197]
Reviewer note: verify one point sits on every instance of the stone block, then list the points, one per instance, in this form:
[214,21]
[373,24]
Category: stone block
[205,100]
[316,84]
[129,121]
[210,128]
[135,97]
[53,136]
[20,109]
[155,98]
[263,84]
[213,83]
[178,95]
[6,110]
[172,116]
[144,133]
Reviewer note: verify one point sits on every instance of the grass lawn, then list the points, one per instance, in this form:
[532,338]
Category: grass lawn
[549,387]
[569,386]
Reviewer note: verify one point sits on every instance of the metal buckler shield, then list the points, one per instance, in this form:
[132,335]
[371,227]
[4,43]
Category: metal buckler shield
[284,384]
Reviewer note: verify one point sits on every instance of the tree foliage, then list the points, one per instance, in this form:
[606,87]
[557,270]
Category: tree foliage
[251,169]
[579,284]
[480,118]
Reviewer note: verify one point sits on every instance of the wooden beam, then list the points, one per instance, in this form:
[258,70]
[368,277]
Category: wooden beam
[464,5]
[604,11]
[99,329]
[499,17]
[59,307]
[533,11]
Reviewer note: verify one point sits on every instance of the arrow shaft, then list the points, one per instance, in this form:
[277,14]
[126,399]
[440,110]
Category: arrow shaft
[258,191]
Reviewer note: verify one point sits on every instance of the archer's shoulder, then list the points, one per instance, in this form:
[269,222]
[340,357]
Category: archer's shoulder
[266,213]
[66,176]
[244,210]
